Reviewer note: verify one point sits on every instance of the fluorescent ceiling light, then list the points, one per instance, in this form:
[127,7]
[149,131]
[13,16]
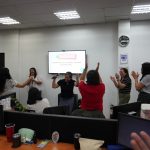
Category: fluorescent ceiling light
[67,15]
[140,9]
[8,21]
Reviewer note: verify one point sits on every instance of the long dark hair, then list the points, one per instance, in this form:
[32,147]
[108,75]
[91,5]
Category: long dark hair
[34,94]
[93,77]
[4,75]
[35,72]
[145,70]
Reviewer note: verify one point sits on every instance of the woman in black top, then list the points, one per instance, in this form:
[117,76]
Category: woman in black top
[67,85]
[123,83]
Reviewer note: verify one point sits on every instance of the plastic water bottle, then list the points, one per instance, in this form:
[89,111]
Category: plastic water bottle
[76,141]
[55,137]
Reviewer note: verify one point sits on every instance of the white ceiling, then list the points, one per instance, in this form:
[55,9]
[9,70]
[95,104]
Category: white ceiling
[39,13]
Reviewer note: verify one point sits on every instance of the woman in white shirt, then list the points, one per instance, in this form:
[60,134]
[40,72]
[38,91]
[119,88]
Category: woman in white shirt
[36,81]
[35,101]
[143,86]
[7,83]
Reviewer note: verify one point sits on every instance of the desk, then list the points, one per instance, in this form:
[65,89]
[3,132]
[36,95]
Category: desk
[4,145]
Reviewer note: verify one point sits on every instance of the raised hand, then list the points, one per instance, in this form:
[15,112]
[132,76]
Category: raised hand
[117,76]
[112,78]
[134,74]
[97,66]
[55,76]
[31,78]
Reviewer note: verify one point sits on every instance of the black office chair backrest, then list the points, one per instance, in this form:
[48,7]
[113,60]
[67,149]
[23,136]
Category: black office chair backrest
[60,110]
[75,105]
[129,108]
[12,95]
[1,118]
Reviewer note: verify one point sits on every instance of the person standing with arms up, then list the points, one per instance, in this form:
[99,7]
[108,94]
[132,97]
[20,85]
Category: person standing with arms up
[67,85]
[123,83]
[92,92]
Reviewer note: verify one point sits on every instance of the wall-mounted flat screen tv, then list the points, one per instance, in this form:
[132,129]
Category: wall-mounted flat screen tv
[66,60]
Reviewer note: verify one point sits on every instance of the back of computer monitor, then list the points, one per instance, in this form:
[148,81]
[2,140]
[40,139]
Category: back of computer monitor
[128,124]
[1,119]
[35,121]
[129,108]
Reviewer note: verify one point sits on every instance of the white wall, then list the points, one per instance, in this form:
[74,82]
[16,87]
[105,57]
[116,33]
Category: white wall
[26,48]
[29,48]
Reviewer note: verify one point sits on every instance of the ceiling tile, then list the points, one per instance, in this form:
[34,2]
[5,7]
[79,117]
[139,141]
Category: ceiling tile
[39,13]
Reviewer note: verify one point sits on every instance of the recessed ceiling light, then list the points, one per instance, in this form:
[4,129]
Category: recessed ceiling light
[8,21]
[67,15]
[140,9]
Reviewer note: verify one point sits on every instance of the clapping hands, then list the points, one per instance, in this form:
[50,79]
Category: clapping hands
[112,78]
[134,74]
[31,78]
[117,76]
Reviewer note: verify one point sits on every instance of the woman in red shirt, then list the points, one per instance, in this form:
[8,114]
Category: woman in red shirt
[92,94]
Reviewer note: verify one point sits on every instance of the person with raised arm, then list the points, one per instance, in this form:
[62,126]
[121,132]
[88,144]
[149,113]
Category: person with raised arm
[7,83]
[92,92]
[67,85]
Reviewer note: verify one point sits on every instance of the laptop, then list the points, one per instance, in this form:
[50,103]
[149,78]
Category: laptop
[129,123]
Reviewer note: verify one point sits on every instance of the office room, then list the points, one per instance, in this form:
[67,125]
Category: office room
[27,45]
[98,31]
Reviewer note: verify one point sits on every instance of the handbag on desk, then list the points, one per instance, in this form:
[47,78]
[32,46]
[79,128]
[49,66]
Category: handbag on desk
[27,135]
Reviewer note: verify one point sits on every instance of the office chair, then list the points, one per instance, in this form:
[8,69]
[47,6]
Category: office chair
[75,104]
[12,95]
[60,110]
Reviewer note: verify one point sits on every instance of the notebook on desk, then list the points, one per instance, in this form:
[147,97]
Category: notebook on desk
[129,123]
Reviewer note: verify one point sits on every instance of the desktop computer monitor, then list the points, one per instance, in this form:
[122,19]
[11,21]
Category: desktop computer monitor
[128,124]
[129,108]
[1,119]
